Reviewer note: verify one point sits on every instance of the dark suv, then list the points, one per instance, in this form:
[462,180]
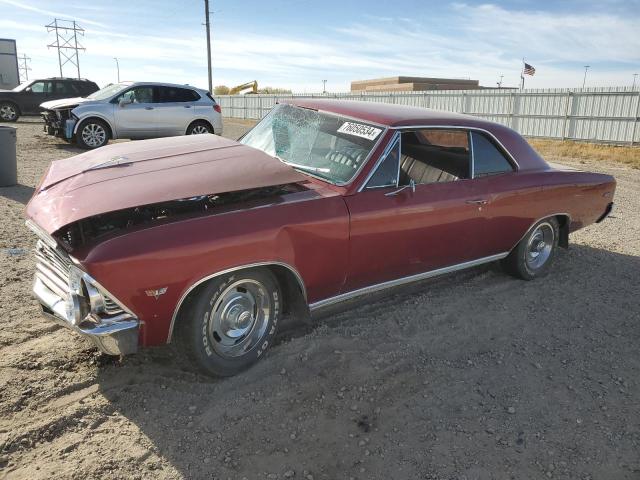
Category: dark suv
[26,98]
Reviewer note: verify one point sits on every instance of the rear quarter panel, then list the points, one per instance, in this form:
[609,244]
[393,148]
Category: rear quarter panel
[310,235]
[518,200]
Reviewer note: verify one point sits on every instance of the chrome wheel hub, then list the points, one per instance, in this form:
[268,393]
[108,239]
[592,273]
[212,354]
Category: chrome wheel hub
[93,135]
[539,246]
[7,112]
[239,318]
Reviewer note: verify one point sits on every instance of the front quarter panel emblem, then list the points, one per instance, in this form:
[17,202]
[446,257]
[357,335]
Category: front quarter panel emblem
[156,293]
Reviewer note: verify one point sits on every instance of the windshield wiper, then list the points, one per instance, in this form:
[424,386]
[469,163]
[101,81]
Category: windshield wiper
[306,168]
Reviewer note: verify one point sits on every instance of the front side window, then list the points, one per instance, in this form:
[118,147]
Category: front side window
[137,95]
[487,159]
[322,144]
[434,156]
[41,87]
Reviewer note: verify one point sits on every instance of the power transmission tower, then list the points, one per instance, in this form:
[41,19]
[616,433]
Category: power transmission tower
[23,67]
[67,32]
[208,25]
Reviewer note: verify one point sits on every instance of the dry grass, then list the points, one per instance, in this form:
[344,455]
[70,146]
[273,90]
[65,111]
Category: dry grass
[587,151]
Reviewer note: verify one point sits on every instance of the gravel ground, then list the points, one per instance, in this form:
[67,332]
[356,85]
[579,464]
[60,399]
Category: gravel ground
[475,375]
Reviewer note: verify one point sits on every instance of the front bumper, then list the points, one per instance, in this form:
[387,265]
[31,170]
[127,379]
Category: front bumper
[115,336]
[73,299]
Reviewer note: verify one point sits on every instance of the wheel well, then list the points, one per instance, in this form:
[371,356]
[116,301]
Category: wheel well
[294,302]
[96,118]
[563,223]
[200,120]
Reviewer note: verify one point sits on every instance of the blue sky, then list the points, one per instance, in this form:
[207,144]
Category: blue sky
[297,44]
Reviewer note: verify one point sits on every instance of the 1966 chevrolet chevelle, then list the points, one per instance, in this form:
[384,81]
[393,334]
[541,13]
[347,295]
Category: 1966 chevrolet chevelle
[209,242]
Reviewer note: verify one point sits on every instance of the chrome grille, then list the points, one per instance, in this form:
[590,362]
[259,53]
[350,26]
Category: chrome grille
[52,269]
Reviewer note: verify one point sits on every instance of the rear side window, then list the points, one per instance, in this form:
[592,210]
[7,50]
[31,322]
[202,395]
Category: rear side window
[175,94]
[487,159]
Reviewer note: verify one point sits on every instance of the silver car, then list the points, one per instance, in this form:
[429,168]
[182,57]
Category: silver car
[133,110]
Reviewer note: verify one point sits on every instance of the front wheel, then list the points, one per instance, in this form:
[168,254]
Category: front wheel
[8,112]
[533,256]
[231,322]
[92,133]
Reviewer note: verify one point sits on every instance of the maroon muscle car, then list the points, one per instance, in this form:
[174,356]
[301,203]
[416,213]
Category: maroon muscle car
[209,241]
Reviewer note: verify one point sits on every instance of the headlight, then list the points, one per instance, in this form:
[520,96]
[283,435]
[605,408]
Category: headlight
[84,298]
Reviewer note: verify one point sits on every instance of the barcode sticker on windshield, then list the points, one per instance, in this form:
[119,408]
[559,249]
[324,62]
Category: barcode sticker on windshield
[359,130]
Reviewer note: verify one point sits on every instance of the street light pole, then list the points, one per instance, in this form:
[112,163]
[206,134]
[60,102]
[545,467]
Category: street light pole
[324,86]
[206,16]
[117,67]
[633,87]
[584,80]
[500,82]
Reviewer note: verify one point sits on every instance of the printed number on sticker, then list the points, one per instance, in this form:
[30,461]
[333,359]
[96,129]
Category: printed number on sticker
[359,130]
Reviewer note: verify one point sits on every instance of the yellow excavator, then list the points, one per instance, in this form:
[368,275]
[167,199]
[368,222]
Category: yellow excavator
[252,85]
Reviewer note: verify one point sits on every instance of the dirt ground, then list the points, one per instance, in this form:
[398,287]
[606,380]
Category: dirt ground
[474,375]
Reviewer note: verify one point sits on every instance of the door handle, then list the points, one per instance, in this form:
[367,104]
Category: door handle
[148,108]
[477,202]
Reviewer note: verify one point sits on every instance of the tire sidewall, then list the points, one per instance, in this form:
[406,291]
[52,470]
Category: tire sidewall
[15,109]
[527,271]
[83,124]
[201,316]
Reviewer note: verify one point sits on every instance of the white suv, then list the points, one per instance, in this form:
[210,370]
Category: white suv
[133,110]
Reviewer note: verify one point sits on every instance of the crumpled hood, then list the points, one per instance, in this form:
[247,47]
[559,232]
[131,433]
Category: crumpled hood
[63,102]
[130,174]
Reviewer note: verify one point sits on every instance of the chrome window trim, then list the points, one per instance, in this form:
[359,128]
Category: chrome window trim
[404,280]
[473,159]
[229,270]
[396,137]
[468,128]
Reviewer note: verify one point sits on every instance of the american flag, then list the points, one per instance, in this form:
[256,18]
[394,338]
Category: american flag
[528,69]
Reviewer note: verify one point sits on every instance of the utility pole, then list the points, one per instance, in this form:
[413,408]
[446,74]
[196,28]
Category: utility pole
[633,87]
[584,80]
[206,16]
[23,67]
[324,86]
[66,39]
[117,67]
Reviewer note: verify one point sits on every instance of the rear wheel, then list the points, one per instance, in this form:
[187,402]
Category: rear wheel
[92,133]
[231,322]
[533,256]
[8,112]
[198,128]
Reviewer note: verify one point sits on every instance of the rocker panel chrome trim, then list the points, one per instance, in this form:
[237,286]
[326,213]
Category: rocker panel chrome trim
[229,270]
[404,280]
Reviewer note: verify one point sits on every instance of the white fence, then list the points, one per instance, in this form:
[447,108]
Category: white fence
[603,115]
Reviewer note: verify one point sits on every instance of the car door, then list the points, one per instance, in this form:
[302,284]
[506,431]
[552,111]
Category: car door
[176,110]
[423,216]
[35,94]
[135,112]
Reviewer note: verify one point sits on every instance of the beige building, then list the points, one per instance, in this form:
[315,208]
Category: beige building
[413,84]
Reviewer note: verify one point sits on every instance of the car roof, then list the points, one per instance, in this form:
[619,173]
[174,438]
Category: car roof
[162,84]
[65,78]
[397,116]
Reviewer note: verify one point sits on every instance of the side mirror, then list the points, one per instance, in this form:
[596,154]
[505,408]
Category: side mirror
[28,89]
[412,186]
[124,101]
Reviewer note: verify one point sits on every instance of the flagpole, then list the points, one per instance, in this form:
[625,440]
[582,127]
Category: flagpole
[522,76]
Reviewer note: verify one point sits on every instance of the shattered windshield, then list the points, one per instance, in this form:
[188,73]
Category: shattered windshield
[324,145]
